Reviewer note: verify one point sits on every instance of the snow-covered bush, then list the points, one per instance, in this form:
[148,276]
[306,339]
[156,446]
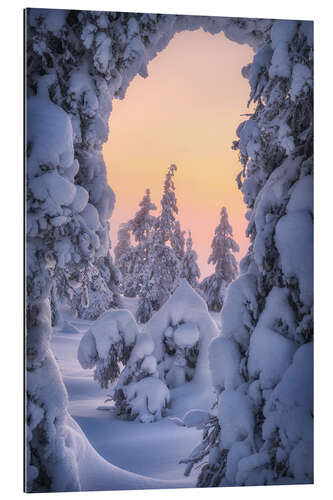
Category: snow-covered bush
[109,340]
[139,394]
[222,257]
[171,351]
[181,331]
[146,399]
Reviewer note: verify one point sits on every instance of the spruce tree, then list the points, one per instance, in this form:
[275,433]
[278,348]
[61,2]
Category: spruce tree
[267,316]
[190,269]
[177,241]
[162,262]
[142,223]
[125,260]
[131,259]
[222,258]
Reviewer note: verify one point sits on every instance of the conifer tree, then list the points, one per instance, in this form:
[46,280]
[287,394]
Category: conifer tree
[190,269]
[125,260]
[142,223]
[131,259]
[177,241]
[224,261]
[164,252]
[266,394]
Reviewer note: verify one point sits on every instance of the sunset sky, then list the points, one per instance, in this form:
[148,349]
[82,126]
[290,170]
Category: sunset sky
[186,112]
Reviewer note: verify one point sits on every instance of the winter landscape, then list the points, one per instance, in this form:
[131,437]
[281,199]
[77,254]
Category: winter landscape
[165,348]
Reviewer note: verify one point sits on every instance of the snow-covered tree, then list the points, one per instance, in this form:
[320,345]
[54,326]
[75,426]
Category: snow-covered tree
[123,249]
[171,351]
[263,427]
[108,342]
[145,306]
[222,257]
[131,259]
[136,390]
[139,393]
[189,267]
[77,62]
[101,289]
[181,331]
[177,241]
[164,250]
[162,267]
[111,275]
[142,223]
[125,260]
[167,220]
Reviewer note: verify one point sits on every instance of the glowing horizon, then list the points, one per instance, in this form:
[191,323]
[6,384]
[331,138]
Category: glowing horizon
[186,112]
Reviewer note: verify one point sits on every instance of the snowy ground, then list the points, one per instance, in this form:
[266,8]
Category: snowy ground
[151,450]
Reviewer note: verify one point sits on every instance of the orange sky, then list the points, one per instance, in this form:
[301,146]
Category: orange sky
[186,112]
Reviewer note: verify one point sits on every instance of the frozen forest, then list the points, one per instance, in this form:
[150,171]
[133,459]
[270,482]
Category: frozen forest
[140,372]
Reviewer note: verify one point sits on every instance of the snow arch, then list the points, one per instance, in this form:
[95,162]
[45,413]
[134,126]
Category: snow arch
[77,62]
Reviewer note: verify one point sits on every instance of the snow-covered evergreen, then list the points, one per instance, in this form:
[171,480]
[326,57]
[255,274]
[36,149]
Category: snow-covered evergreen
[181,331]
[166,223]
[123,248]
[125,259]
[222,257]
[166,241]
[77,62]
[108,341]
[134,259]
[263,431]
[189,267]
[146,298]
[139,393]
[102,290]
[142,223]
[177,241]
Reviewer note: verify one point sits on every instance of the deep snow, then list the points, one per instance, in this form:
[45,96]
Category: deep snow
[152,449]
